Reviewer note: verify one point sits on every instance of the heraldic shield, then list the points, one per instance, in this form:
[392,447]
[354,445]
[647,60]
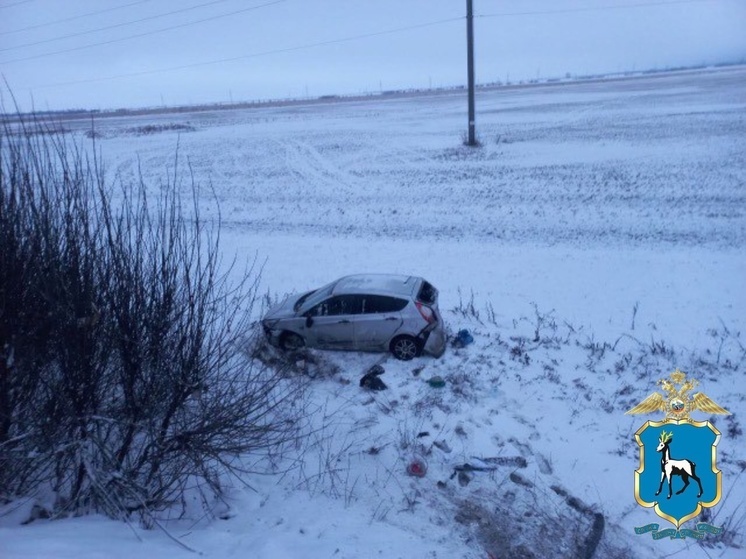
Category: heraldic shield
[678,475]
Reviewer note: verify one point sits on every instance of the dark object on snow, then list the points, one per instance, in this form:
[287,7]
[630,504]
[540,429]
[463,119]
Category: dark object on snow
[599,521]
[463,471]
[436,382]
[463,339]
[375,370]
[423,434]
[469,468]
[442,445]
[371,381]
[516,461]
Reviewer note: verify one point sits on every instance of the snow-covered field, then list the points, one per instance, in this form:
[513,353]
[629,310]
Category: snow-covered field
[592,244]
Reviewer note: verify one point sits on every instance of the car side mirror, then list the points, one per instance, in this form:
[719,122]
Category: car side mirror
[309,321]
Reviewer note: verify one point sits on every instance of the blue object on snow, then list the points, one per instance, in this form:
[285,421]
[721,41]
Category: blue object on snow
[464,338]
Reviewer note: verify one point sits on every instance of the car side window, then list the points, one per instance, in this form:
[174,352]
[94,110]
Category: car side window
[338,305]
[382,304]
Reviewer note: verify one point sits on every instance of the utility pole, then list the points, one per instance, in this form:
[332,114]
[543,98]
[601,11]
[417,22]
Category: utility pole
[470,69]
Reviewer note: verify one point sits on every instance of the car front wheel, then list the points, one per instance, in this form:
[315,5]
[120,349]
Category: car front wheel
[291,341]
[405,348]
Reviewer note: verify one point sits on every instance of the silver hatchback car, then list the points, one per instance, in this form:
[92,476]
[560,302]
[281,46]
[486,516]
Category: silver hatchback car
[367,312]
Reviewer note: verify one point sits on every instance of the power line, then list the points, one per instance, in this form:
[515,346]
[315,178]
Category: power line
[259,54]
[54,53]
[137,36]
[67,19]
[16,4]
[116,25]
[590,8]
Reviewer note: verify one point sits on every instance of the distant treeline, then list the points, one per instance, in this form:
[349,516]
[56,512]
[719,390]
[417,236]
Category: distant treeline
[327,98]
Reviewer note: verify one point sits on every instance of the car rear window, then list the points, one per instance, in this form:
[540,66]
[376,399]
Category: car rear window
[383,304]
[428,294]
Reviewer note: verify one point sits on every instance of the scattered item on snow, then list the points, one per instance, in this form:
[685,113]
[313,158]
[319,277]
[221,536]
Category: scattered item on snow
[370,379]
[372,383]
[463,471]
[227,515]
[464,479]
[416,371]
[306,363]
[515,461]
[417,468]
[442,445]
[423,434]
[463,338]
[518,479]
[376,370]
[599,521]
[441,484]
[471,468]
[436,382]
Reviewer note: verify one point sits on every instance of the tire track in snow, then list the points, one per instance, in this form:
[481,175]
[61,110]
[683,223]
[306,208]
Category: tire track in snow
[326,179]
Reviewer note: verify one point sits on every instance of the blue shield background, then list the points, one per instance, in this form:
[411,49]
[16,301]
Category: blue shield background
[689,442]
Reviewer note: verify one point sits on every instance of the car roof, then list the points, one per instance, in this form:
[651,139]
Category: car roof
[377,284]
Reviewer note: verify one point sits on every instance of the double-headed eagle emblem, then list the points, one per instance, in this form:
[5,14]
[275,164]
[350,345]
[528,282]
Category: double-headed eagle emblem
[677,404]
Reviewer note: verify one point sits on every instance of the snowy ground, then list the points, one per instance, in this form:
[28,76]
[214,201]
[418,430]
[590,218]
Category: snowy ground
[594,243]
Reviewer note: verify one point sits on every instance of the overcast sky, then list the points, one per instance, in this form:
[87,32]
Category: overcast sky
[104,54]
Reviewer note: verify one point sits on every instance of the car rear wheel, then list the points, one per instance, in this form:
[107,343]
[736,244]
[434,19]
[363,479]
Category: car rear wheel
[405,348]
[291,341]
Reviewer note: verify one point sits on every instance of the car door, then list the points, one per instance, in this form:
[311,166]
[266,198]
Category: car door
[379,321]
[332,324]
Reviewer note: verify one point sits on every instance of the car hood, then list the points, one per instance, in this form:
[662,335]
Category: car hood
[284,309]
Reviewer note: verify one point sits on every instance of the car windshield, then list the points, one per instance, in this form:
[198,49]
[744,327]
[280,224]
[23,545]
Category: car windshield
[302,299]
[314,297]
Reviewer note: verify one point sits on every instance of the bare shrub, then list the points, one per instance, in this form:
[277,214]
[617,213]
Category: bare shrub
[467,309]
[124,376]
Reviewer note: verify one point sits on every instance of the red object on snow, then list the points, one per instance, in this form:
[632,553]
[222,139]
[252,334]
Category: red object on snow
[417,468]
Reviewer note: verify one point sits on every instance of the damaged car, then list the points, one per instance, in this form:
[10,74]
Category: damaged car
[363,312]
